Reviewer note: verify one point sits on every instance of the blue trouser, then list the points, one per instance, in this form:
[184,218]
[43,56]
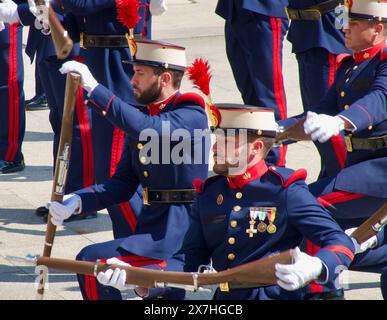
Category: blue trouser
[91,289]
[351,210]
[254,45]
[12,112]
[383,283]
[317,68]
[38,83]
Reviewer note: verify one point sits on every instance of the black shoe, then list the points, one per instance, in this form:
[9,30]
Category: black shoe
[37,103]
[11,166]
[41,211]
[76,217]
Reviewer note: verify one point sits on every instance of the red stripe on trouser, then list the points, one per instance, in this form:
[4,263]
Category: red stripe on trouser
[337,142]
[136,261]
[338,197]
[279,92]
[13,95]
[339,149]
[312,249]
[85,132]
[129,215]
[117,144]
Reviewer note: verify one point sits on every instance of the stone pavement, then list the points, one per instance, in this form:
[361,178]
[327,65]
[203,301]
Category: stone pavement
[190,23]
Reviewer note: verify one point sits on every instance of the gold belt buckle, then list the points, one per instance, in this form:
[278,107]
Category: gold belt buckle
[348,143]
[224,287]
[145,197]
[81,40]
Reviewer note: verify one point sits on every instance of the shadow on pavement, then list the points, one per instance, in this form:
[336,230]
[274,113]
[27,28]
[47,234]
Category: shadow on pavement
[34,136]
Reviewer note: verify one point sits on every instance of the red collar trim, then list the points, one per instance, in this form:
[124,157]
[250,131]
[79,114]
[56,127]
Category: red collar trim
[156,108]
[368,53]
[251,174]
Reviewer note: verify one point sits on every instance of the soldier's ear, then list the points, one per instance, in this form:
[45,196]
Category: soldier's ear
[166,78]
[258,146]
[379,28]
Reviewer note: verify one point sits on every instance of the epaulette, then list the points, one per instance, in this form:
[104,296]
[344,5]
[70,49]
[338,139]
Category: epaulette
[190,97]
[383,54]
[288,176]
[200,184]
[341,58]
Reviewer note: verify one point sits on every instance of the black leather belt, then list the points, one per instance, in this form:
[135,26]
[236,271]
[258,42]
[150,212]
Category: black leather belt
[314,12]
[114,41]
[168,196]
[354,144]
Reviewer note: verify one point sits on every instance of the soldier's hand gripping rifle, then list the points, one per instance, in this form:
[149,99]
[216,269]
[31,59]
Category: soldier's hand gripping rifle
[62,162]
[371,226]
[62,41]
[294,133]
[250,275]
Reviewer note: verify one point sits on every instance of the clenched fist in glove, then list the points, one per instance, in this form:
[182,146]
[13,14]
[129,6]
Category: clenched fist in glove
[72,204]
[87,80]
[8,12]
[115,278]
[157,7]
[361,247]
[322,127]
[294,276]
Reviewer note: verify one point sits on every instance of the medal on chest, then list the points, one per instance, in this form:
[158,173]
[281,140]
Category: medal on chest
[253,216]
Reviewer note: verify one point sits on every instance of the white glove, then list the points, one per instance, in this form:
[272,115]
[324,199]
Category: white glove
[41,14]
[157,7]
[322,127]
[8,12]
[87,80]
[116,278]
[294,276]
[2,26]
[361,247]
[72,204]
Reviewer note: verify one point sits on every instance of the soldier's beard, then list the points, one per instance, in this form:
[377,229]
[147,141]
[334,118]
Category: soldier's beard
[149,95]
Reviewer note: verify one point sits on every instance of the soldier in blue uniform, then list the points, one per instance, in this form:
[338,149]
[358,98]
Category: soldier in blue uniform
[12,113]
[39,100]
[254,33]
[356,106]
[80,172]
[317,39]
[250,210]
[167,182]
[104,47]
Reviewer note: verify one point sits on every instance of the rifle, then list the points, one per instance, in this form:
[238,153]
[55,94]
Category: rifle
[250,275]
[62,162]
[62,42]
[294,132]
[371,226]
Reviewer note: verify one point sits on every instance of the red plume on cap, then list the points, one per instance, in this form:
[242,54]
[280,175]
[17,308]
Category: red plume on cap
[199,73]
[127,12]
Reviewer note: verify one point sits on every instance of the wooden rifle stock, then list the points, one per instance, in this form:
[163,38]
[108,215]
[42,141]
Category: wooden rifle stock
[253,274]
[62,160]
[62,42]
[295,132]
[371,226]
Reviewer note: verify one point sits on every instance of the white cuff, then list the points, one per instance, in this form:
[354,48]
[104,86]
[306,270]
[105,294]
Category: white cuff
[353,125]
